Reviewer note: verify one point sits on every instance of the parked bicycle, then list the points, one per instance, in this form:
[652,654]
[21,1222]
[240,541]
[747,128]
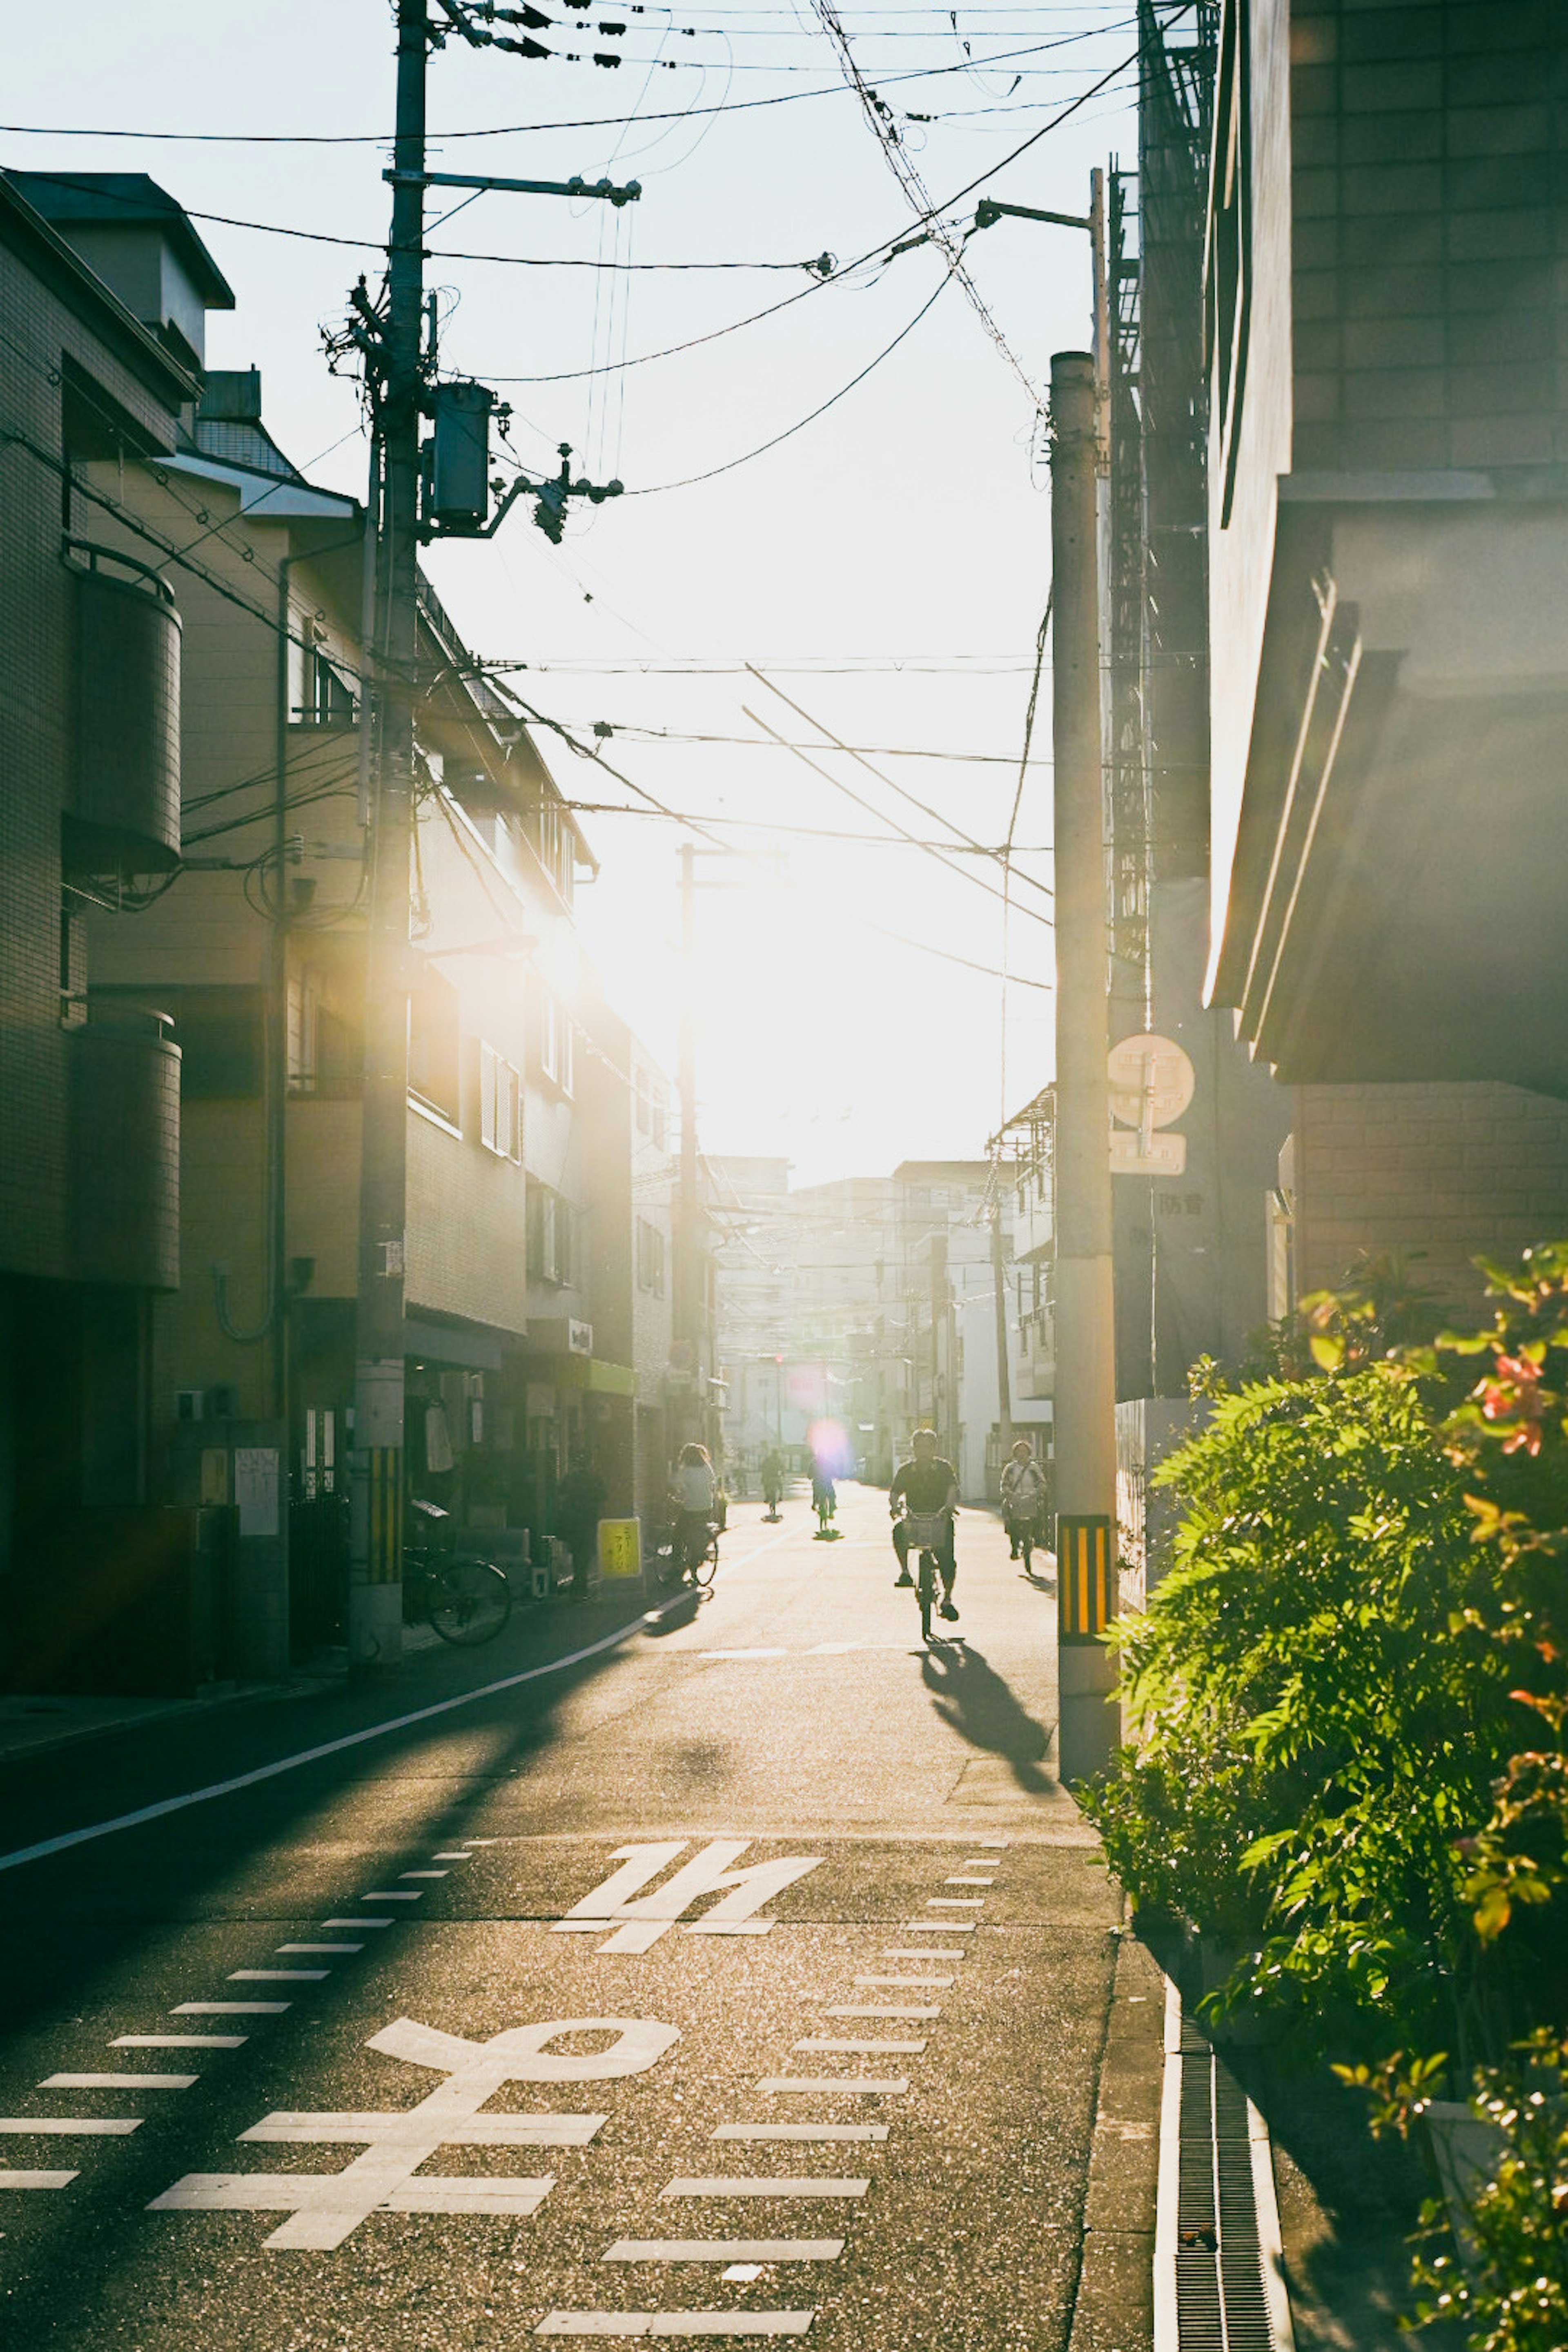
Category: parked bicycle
[926,1531]
[466,1601]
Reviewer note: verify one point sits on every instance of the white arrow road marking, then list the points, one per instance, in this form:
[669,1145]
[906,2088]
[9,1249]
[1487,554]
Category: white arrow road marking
[325,2208]
[723,2250]
[675,2323]
[760,2185]
[36,2179]
[118,2081]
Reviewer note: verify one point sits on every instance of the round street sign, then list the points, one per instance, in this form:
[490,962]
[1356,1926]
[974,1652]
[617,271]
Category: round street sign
[1152,1081]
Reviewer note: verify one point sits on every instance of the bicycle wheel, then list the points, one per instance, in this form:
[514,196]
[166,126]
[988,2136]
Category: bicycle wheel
[927,1589]
[1027,1548]
[470,1600]
[705,1566]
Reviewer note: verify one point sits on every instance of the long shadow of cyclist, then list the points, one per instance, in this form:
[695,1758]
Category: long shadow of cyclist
[969,1694]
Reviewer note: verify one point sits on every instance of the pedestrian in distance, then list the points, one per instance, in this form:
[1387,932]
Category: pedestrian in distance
[1023,1500]
[773,1483]
[926,1483]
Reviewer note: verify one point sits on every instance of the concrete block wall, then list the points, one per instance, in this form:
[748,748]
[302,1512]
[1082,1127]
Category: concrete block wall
[1439,1173]
[1429,149]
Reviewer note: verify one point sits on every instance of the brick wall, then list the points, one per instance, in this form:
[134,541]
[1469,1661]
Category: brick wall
[1438,1173]
[1430,172]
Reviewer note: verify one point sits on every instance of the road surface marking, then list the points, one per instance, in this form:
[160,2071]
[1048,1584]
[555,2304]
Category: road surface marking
[451,1857]
[969,1882]
[638,1920]
[741,1653]
[323,2209]
[909,1984]
[73,2126]
[858,2048]
[762,2185]
[426,1874]
[318,1948]
[983,1862]
[675,2323]
[925,1952]
[356,1923]
[869,2009]
[278,1976]
[36,2179]
[937,1926]
[229,2007]
[723,2250]
[143,1814]
[956,1903]
[118,2081]
[858,2086]
[801,2131]
[394,1895]
[179,2042]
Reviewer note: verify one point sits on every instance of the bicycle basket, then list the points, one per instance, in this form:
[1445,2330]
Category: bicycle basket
[926,1529]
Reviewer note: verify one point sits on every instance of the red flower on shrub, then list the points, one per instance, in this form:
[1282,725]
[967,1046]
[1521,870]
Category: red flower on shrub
[1515,1396]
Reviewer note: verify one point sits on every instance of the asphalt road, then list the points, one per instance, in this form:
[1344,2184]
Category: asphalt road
[748,1976]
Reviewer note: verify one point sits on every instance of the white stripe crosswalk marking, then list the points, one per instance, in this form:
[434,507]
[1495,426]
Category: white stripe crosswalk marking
[229,2007]
[802,2131]
[858,2086]
[675,2323]
[73,2126]
[179,2042]
[753,2185]
[820,2042]
[118,2081]
[36,2179]
[723,2250]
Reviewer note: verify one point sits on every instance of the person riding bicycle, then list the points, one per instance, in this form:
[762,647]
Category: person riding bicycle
[1023,1494]
[692,1491]
[773,1481]
[926,1483]
[823,1494]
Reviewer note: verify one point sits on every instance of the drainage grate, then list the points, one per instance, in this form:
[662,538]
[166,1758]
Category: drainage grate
[1219,2284]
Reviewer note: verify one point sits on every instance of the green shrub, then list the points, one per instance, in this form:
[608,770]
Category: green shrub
[1319,1715]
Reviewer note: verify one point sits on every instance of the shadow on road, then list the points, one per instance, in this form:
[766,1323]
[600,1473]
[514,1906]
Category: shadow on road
[970,1696]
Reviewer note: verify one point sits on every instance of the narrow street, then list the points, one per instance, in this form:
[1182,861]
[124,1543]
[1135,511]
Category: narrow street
[424,2041]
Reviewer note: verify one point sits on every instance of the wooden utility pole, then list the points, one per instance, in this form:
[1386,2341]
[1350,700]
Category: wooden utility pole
[1085,1406]
[1003,1367]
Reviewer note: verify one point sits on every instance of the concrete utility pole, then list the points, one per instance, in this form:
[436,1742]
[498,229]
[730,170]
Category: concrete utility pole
[375,1537]
[1086,1370]
[689,1316]
[1004,1368]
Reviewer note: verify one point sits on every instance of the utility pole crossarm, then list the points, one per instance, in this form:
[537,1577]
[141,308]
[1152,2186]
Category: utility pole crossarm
[606,191]
[988,212]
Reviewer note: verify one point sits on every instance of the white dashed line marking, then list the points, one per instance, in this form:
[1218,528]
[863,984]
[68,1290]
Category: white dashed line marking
[356,1923]
[924,1952]
[318,1947]
[451,1857]
[278,1976]
[36,2179]
[741,1653]
[761,2185]
[956,1903]
[179,2042]
[858,2086]
[426,1874]
[909,1984]
[675,2323]
[392,1894]
[858,2048]
[969,1882]
[802,2131]
[938,1926]
[73,2126]
[868,2008]
[724,2250]
[229,2007]
[118,2081]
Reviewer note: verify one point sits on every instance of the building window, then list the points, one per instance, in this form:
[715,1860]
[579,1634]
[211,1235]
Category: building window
[552,1237]
[501,1106]
[433,1045]
[221,1041]
[555,1042]
[650,1258]
[1226,269]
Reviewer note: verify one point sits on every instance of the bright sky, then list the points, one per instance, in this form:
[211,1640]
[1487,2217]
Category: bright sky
[886,567]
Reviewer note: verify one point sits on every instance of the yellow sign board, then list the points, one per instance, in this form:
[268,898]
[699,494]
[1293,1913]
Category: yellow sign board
[620,1547]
